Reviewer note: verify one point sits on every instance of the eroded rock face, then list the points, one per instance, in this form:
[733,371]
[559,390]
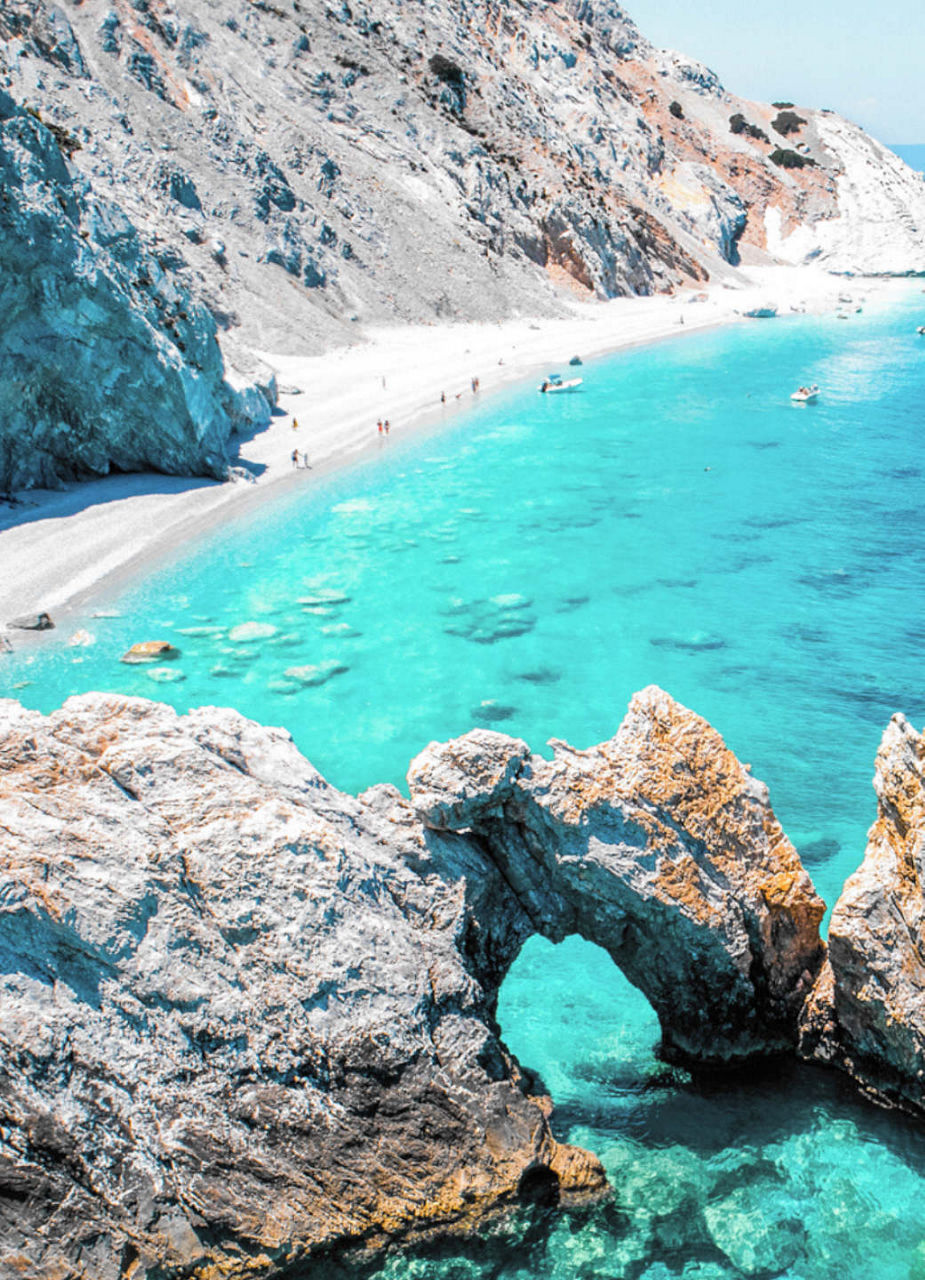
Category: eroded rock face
[867,1014]
[106,362]
[247,1017]
[658,846]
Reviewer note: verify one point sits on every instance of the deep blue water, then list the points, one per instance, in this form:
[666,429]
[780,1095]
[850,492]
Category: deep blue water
[678,521]
[912,153]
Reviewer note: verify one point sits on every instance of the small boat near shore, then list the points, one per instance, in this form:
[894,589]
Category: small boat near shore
[554,383]
[921,330]
[805,395]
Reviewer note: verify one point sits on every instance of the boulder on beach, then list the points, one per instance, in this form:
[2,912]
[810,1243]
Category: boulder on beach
[150,651]
[32,622]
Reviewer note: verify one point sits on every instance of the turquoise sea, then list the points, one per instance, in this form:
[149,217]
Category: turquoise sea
[913,153]
[677,521]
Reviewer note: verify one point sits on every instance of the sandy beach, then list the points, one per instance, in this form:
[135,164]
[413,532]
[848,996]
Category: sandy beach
[61,549]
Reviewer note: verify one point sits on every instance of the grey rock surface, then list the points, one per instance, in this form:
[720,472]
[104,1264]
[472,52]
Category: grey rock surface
[106,362]
[660,847]
[247,1018]
[867,1013]
[310,167]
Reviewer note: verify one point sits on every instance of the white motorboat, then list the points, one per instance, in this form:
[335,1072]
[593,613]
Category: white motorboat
[805,395]
[555,383]
[921,329]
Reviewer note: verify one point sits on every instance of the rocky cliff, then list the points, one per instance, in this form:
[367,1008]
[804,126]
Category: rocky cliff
[106,362]
[867,1014]
[281,174]
[248,1018]
[308,166]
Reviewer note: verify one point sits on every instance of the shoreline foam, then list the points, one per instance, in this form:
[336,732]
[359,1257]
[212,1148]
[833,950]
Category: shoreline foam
[64,549]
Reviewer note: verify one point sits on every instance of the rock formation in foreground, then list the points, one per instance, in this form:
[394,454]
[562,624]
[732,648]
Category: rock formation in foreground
[313,166]
[867,1014]
[247,1017]
[106,362]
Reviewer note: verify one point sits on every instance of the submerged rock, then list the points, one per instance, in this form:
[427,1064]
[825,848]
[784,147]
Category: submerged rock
[248,632]
[150,651]
[316,673]
[247,1017]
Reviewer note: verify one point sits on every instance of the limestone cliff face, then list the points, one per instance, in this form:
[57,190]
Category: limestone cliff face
[316,165]
[867,1014]
[247,1017]
[106,363]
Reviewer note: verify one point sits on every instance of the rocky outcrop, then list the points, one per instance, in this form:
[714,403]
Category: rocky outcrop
[311,166]
[660,847]
[247,1017]
[106,362]
[867,1014]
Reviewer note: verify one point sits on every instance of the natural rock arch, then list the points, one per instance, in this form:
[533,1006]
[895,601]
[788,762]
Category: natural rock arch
[657,846]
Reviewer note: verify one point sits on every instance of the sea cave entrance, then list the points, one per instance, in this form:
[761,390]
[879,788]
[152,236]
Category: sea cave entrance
[569,1014]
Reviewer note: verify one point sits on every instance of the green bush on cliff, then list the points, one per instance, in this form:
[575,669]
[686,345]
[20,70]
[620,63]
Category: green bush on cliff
[738,124]
[788,122]
[787,159]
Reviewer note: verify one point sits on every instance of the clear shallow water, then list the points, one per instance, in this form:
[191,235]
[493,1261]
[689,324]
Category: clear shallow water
[677,522]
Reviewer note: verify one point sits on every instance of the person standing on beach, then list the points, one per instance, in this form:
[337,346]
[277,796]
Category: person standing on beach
[388,426]
[295,457]
[295,424]
[379,425]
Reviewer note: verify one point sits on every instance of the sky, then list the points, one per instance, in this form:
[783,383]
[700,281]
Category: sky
[861,59]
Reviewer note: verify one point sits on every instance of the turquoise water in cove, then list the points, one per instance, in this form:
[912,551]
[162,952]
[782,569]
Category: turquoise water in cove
[678,521]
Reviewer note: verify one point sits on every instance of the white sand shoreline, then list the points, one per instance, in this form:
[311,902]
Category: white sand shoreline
[62,550]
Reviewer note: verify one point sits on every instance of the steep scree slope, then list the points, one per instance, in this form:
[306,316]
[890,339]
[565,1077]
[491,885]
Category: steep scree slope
[106,362]
[314,163]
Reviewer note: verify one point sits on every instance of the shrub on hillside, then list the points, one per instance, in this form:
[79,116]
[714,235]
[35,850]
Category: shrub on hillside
[738,124]
[781,106]
[446,70]
[676,110]
[788,122]
[791,159]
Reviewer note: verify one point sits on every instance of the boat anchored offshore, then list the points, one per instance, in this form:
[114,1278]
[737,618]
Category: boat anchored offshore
[804,395]
[554,383]
[921,329]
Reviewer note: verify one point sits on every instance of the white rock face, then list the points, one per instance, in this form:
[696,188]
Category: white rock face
[312,167]
[878,226]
